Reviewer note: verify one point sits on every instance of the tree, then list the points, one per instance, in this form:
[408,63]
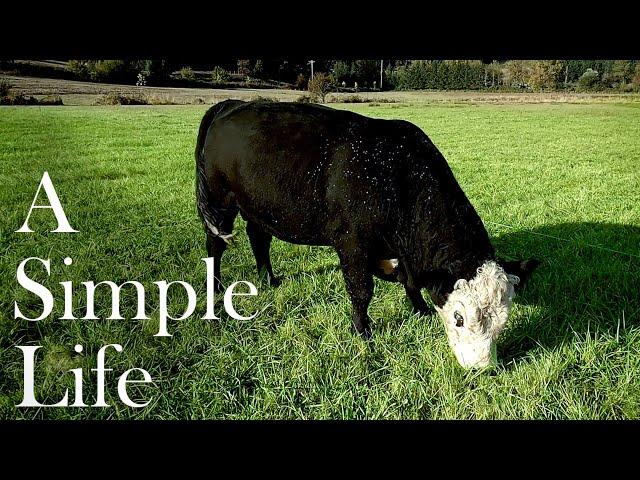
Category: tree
[244,68]
[341,71]
[219,75]
[620,74]
[543,74]
[364,71]
[589,79]
[635,80]
[320,85]
[566,74]
[186,73]
[494,70]
[155,72]
[258,69]
[301,81]
[515,73]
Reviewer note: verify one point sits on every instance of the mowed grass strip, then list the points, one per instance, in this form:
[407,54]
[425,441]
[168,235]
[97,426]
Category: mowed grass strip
[556,182]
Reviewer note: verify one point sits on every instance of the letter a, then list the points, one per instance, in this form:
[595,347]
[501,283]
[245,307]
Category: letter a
[55,205]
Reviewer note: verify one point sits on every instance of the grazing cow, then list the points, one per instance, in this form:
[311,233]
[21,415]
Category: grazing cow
[378,191]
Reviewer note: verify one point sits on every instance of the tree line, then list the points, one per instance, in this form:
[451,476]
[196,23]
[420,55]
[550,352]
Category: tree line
[529,75]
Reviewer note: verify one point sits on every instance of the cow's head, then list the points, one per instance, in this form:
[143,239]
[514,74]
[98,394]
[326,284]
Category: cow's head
[476,311]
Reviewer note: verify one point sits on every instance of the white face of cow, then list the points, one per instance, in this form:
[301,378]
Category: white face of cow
[476,312]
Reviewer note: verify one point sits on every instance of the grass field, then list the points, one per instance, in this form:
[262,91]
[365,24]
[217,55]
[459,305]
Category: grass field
[557,182]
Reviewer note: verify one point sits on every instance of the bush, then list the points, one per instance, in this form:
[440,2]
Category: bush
[352,99]
[18,99]
[589,79]
[115,98]
[107,70]
[319,86]
[260,98]
[78,68]
[219,75]
[153,99]
[186,73]
[5,88]
[9,98]
[50,100]
[304,99]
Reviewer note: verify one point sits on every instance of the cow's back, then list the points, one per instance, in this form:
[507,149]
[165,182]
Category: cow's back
[311,174]
[301,171]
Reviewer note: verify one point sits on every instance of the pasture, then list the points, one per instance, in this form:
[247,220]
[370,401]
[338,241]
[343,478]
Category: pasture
[559,182]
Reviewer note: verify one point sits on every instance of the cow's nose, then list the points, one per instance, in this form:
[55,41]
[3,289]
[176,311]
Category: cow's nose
[478,362]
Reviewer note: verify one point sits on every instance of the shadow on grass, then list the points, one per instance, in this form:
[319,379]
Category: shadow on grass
[582,286]
[588,282]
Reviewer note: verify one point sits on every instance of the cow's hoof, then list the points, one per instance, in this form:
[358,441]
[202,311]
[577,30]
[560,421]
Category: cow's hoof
[365,333]
[274,281]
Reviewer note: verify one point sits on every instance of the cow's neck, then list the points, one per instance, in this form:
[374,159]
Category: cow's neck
[443,244]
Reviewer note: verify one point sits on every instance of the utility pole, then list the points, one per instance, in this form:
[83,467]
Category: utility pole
[381,64]
[311,62]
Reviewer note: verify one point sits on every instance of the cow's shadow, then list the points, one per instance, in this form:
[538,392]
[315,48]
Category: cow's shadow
[588,282]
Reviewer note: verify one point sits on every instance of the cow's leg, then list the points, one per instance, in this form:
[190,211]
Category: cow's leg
[417,300]
[261,244]
[359,282]
[412,289]
[216,245]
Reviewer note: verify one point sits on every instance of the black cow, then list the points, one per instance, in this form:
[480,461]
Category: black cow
[372,189]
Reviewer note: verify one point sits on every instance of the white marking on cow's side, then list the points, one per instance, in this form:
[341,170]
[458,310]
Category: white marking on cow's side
[388,266]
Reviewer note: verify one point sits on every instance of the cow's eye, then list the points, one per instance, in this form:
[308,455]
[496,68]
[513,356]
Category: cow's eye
[459,319]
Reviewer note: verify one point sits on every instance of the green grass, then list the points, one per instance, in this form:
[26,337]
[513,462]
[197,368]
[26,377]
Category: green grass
[125,178]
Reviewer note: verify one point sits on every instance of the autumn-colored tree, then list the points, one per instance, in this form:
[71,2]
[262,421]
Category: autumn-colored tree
[301,82]
[543,74]
[320,85]
[515,73]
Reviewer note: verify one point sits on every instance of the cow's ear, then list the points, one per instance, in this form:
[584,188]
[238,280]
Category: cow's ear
[520,268]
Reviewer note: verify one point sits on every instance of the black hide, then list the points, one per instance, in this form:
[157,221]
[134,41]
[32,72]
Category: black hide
[372,189]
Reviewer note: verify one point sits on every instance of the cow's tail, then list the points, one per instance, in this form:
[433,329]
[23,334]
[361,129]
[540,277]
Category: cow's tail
[209,214]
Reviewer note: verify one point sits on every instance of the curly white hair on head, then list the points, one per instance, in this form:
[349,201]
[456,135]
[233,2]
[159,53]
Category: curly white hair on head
[475,313]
